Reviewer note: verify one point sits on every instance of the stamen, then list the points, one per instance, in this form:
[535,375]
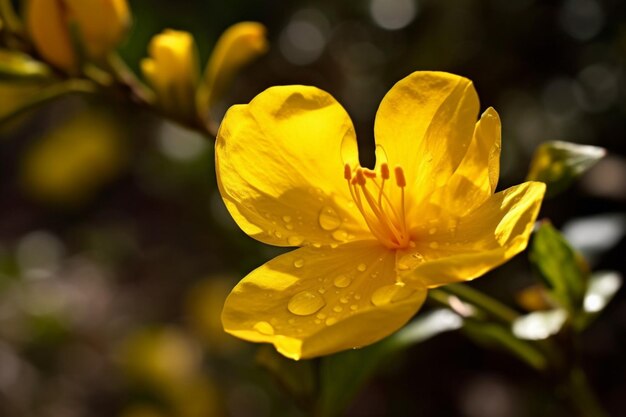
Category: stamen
[400,180]
[360,178]
[384,171]
[347,172]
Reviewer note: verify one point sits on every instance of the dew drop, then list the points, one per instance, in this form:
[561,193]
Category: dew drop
[329,219]
[432,231]
[317,245]
[321,290]
[343,300]
[289,226]
[305,303]
[361,267]
[321,316]
[342,281]
[298,263]
[340,235]
[264,328]
[292,321]
[286,219]
[278,234]
[334,246]
[337,309]
[390,294]
[433,245]
[402,267]
[354,307]
[357,296]
[331,320]
[295,240]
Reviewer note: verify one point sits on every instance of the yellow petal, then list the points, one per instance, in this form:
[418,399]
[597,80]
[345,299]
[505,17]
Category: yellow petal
[313,302]
[279,164]
[425,124]
[490,235]
[102,23]
[49,32]
[238,45]
[475,179]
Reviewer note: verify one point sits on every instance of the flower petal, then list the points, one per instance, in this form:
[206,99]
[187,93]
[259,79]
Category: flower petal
[475,179]
[313,302]
[425,124]
[280,166]
[490,235]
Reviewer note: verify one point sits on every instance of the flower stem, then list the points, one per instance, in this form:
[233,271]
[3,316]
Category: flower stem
[581,396]
[51,93]
[483,301]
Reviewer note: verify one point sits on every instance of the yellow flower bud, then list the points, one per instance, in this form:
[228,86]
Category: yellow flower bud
[172,71]
[237,46]
[100,25]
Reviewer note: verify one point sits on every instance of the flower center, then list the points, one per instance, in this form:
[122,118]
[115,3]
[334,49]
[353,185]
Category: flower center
[385,217]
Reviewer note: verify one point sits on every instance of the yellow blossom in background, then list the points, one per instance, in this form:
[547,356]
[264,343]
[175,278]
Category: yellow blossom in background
[238,46]
[371,242]
[172,71]
[100,26]
[73,160]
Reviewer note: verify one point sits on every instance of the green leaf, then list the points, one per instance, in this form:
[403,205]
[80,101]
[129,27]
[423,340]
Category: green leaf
[16,66]
[558,164]
[342,375]
[296,378]
[563,270]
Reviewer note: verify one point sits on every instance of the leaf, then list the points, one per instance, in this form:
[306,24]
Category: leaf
[342,375]
[539,325]
[563,270]
[558,164]
[297,378]
[15,66]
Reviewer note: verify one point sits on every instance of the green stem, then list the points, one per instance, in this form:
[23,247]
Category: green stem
[483,301]
[51,93]
[582,396]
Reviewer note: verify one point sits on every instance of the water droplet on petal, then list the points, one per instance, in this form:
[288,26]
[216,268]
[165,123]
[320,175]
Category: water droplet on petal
[340,235]
[433,245]
[289,226]
[402,267]
[357,296]
[295,240]
[298,263]
[361,267]
[329,219]
[342,281]
[286,219]
[278,234]
[390,294]
[321,316]
[331,320]
[337,309]
[317,245]
[321,290]
[432,231]
[343,300]
[264,328]
[334,246]
[305,303]
[354,307]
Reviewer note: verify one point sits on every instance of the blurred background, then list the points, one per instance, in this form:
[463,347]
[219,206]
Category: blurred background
[116,252]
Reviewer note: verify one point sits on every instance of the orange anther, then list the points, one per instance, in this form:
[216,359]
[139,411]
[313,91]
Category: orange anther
[347,172]
[400,180]
[360,178]
[369,173]
[384,171]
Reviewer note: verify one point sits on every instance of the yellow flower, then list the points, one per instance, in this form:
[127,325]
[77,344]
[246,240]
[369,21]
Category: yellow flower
[100,25]
[371,241]
[172,70]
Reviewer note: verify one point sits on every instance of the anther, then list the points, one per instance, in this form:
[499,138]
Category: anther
[369,173]
[400,180]
[360,178]
[384,171]
[347,172]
